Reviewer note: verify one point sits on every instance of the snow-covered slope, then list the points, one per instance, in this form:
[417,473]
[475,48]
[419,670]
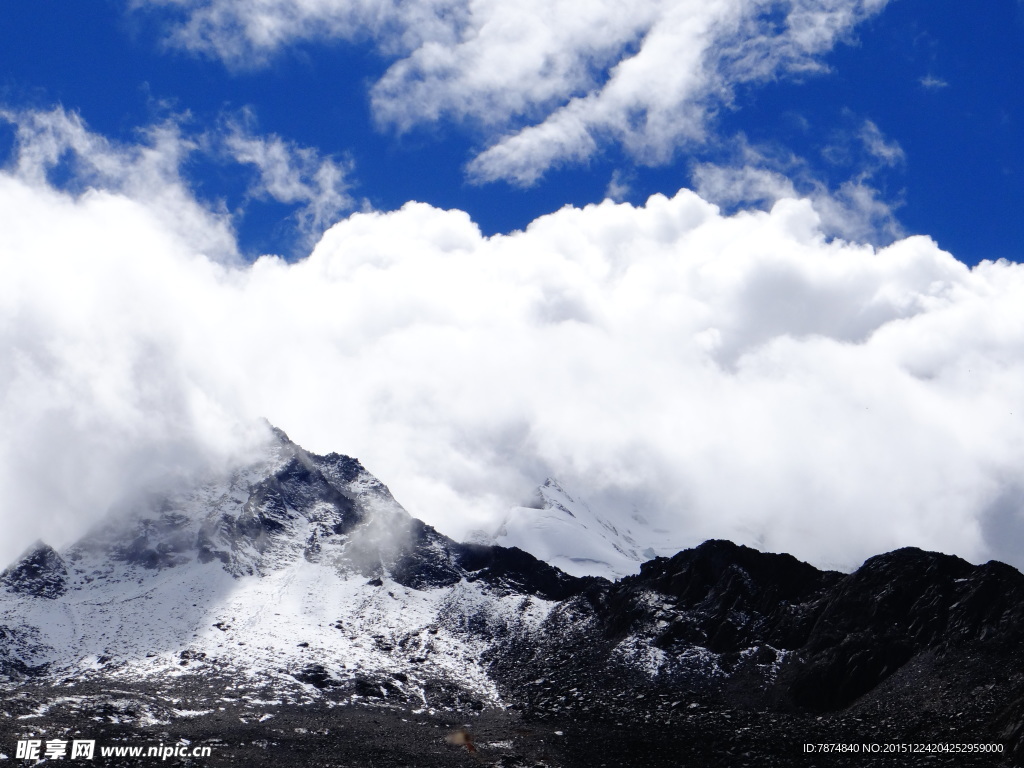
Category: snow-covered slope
[295,567]
[560,529]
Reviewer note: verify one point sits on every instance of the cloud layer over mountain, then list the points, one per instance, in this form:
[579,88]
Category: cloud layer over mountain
[741,377]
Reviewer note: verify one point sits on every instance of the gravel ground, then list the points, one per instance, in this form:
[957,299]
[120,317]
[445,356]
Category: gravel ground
[321,732]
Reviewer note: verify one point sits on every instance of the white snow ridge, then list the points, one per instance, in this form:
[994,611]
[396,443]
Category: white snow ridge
[561,529]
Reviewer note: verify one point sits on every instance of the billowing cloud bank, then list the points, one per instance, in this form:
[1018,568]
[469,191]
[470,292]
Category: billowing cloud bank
[734,376]
[549,82]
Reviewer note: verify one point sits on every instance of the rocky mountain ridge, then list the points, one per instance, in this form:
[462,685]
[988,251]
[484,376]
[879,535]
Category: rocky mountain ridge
[297,584]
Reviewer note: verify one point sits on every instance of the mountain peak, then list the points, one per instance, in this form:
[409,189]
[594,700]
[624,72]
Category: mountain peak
[38,572]
[560,528]
[279,434]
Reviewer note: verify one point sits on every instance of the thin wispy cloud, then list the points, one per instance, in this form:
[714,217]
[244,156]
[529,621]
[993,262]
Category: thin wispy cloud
[288,173]
[854,209]
[932,83]
[883,150]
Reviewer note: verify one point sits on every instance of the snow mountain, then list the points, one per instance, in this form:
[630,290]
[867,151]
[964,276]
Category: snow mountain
[560,529]
[294,567]
[291,610]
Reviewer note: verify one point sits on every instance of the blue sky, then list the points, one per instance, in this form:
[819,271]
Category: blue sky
[750,269]
[939,83]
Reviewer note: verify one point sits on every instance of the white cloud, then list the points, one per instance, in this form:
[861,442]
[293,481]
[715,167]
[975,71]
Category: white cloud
[246,35]
[855,209]
[57,146]
[290,174]
[56,143]
[618,186]
[549,82]
[884,151]
[932,83]
[738,376]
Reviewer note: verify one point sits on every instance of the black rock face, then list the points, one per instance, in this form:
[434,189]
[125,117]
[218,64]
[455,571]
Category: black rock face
[289,494]
[898,606]
[724,626]
[40,572]
[725,597]
[516,571]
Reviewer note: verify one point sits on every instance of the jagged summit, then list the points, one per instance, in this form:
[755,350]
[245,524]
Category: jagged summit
[38,572]
[279,434]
